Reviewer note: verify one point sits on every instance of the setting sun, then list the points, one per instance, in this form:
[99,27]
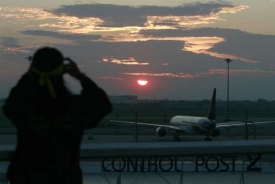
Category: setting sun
[142,82]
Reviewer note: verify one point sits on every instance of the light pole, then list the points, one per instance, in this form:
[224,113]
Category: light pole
[227,61]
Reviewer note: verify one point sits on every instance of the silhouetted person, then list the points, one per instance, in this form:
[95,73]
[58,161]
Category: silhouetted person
[50,120]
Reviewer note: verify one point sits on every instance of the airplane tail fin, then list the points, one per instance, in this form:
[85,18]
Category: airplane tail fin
[212,109]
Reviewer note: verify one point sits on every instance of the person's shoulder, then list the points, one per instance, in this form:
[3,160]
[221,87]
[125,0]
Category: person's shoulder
[24,79]
[26,76]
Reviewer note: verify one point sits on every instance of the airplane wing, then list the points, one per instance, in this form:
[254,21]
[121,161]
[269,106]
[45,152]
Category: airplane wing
[148,124]
[240,123]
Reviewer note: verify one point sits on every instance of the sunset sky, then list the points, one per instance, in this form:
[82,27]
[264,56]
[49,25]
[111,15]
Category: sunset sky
[178,46]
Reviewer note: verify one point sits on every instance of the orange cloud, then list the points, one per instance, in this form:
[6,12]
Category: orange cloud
[110,78]
[202,45]
[238,72]
[189,21]
[129,61]
[15,50]
[32,17]
[177,75]
[211,72]
[198,45]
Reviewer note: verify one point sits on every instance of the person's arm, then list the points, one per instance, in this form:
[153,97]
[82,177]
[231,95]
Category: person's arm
[93,103]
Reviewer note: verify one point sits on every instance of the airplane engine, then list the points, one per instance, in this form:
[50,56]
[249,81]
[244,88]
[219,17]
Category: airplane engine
[215,133]
[161,132]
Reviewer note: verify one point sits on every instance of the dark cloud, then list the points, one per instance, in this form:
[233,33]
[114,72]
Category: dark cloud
[153,52]
[251,46]
[12,46]
[122,15]
[9,42]
[74,37]
[242,44]
[193,32]
[238,43]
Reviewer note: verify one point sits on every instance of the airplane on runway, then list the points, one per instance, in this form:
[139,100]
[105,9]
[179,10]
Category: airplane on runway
[195,125]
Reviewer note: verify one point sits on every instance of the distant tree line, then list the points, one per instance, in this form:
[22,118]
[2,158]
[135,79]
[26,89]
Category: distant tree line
[260,108]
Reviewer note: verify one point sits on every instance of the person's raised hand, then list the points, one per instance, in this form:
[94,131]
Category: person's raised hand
[72,69]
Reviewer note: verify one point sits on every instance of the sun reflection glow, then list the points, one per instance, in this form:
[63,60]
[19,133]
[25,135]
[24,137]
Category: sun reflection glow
[142,82]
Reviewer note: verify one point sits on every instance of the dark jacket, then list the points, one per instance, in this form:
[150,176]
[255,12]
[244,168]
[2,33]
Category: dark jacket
[49,131]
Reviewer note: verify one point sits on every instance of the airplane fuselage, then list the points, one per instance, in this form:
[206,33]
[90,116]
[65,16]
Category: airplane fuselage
[194,125]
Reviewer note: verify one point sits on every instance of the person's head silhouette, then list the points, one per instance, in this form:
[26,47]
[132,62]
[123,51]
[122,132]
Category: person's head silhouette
[47,59]
[48,65]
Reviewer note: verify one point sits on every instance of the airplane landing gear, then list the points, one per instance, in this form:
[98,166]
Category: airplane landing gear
[207,138]
[176,136]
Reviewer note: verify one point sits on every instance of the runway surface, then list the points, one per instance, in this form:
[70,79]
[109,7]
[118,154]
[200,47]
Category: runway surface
[11,139]
[120,133]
